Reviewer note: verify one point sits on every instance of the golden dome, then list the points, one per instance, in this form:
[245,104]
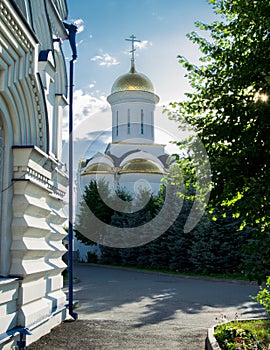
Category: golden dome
[132,81]
[141,166]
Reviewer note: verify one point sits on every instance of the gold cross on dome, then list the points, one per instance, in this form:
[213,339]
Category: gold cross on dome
[133,39]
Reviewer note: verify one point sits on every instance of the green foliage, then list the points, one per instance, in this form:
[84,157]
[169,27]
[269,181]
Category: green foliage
[212,247]
[249,334]
[232,337]
[132,256]
[92,258]
[263,297]
[92,203]
[229,109]
[216,246]
[179,242]
[256,250]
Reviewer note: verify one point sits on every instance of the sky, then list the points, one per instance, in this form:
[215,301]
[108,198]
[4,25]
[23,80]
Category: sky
[103,54]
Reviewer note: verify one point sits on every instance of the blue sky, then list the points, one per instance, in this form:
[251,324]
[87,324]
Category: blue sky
[103,53]
[161,25]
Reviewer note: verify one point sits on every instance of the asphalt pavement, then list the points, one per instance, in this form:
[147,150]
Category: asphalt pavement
[125,309]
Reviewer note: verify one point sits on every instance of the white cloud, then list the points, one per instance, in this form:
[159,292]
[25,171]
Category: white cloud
[105,60]
[84,105]
[92,85]
[142,44]
[79,43]
[80,25]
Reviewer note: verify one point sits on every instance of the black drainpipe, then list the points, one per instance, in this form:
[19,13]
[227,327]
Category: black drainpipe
[72,29]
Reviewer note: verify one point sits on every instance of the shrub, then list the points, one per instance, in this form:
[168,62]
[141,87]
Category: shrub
[92,257]
[263,297]
[232,337]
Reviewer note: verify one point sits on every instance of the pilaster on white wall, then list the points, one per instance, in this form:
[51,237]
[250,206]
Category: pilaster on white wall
[37,234]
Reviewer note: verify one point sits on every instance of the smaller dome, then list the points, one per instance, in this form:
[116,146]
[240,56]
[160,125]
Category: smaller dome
[132,81]
[141,166]
[97,168]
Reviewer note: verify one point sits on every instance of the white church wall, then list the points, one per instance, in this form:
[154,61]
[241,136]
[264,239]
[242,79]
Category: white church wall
[37,234]
[132,121]
[122,149]
[136,182]
[8,303]
[32,183]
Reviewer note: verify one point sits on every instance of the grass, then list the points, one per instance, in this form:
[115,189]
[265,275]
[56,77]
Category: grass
[260,329]
[233,276]
[235,336]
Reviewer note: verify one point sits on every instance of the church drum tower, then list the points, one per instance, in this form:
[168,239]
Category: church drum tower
[133,157]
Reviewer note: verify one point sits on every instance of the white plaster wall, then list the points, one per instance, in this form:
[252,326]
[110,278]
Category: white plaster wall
[8,303]
[120,149]
[135,109]
[33,182]
[135,182]
[37,234]
[132,103]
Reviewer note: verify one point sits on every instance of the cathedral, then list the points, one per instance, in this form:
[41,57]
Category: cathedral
[132,160]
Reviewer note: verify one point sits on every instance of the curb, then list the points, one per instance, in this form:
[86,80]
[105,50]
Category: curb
[211,342]
[203,278]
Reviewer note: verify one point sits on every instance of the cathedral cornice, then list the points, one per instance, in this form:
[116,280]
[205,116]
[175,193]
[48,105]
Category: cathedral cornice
[32,164]
[132,96]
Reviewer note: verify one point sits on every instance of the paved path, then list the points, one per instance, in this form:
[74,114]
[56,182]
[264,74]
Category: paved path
[126,310]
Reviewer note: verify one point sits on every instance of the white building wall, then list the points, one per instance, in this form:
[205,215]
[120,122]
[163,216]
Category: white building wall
[133,115]
[123,149]
[133,122]
[32,183]
[136,182]
[8,303]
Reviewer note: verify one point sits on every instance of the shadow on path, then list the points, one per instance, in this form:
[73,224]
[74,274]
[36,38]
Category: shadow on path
[150,298]
[127,310]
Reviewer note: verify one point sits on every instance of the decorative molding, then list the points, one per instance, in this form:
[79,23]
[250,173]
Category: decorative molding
[61,7]
[28,45]
[17,29]
[31,164]
[132,96]
[58,29]
[39,111]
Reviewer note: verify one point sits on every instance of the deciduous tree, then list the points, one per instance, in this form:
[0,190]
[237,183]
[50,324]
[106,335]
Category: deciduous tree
[229,110]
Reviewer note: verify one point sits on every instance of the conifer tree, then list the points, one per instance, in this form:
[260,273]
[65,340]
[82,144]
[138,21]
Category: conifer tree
[93,205]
